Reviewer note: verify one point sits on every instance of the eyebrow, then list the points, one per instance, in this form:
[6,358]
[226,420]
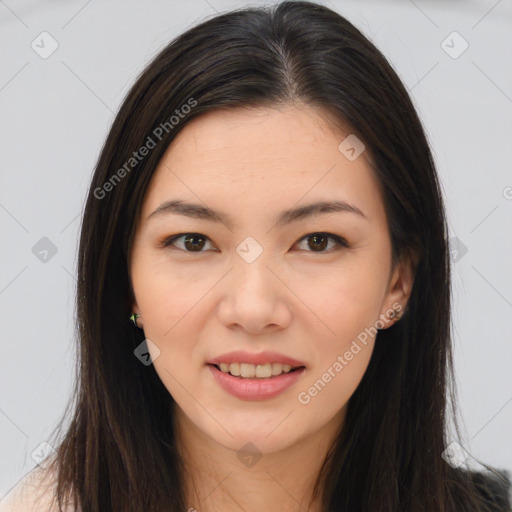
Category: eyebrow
[197,211]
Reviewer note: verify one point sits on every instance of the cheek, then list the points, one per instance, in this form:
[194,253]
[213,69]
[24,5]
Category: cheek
[347,305]
[345,298]
[165,296]
[334,379]
[170,302]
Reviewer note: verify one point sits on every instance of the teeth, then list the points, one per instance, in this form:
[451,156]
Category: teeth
[247,370]
[262,371]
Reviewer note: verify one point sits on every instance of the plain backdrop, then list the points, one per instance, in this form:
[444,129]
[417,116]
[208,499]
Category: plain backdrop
[55,112]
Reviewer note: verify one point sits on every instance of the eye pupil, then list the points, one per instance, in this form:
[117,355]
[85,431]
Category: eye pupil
[194,245]
[316,239]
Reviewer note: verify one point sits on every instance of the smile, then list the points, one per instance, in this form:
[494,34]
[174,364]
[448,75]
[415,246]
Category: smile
[258,388]
[261,371]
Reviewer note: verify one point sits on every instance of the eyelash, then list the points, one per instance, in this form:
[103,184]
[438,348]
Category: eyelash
[341,242]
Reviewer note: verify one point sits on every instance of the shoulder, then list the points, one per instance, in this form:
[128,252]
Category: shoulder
[33,493]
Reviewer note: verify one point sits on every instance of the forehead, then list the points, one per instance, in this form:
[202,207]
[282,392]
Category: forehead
[265,156]
[251,135]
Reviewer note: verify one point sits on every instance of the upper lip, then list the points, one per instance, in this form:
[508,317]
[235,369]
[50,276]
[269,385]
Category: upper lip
[239,356]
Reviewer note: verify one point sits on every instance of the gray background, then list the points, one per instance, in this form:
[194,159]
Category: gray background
[56,112]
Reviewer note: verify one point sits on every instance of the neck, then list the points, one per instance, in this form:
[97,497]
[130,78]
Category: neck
[221,478]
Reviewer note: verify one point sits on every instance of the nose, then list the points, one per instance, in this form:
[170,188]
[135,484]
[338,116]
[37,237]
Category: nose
[255,298]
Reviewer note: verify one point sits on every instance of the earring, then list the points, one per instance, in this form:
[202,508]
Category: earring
[133,318]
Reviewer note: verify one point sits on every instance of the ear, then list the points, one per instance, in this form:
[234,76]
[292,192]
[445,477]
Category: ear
[399,288]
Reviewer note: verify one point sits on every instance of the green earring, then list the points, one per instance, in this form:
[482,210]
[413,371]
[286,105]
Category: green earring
[133,318]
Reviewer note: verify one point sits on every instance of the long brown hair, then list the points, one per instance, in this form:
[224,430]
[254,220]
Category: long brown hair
[118,452]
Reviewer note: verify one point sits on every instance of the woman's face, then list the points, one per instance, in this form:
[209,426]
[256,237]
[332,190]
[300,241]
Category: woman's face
[250,283]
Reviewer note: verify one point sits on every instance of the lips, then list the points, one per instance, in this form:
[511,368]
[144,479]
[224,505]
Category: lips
[252,358]
[255,389]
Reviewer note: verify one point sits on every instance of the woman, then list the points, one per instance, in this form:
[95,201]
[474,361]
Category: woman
[264,287]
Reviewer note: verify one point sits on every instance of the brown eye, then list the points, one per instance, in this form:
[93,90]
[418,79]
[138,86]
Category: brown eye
[318,242]
[315,242]
[192,242]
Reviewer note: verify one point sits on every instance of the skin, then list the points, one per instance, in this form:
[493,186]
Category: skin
[294,299]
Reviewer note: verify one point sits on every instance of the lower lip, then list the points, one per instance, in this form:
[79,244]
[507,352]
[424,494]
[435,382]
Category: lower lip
[255,389]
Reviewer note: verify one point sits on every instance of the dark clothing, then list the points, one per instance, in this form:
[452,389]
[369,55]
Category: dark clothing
[495,489]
